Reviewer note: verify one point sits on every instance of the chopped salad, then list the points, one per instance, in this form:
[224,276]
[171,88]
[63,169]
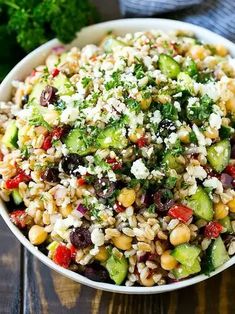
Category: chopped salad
[117,159]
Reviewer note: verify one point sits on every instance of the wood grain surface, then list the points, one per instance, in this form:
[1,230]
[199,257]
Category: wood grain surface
[29,287]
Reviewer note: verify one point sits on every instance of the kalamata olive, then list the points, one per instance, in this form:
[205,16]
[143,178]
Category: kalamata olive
[25,99]
[70,163]
[104,187]
[165,128]
[48,95]
[51,175]
[96,272]
[80,237]
[163,200]
[226,180]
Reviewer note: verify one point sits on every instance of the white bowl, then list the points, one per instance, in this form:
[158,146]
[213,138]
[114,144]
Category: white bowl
[93,34]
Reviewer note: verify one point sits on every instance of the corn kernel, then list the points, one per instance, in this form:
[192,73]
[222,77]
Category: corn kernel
[231,205]
[127,197]
[220,210]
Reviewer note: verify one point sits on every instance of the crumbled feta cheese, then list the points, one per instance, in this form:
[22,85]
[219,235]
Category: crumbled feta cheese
[139,169]
[214,183]
[199,135]
[69,114]
[97,237]
[215,121]
[156,118]
[197,172]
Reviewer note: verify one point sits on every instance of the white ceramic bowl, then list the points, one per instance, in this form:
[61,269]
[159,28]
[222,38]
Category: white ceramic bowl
[93,34]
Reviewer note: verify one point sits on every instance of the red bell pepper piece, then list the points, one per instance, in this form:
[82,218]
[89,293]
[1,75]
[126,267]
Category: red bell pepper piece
[81,181]
[116,165]
[119,208]
[181,212]
[213,229]
[19,218]
[62,256]
[55,72]
[230,169]
[141,142]
[14,182]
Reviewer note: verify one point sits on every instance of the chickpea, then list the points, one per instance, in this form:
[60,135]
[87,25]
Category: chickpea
[135,136]
[65,211]
[168,262]
[231,205]
[103,255]
[230,104]
[183,135]
[126,197]
[231,85]
[179,235]
[199,52]
[221,210]
[145,102]
[37,235]
[123,242]
[147,282]
[221,50]
[211,133]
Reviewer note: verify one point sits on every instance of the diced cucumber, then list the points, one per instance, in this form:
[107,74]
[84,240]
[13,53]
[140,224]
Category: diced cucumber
[226,223]
[183,271]
[168,66]
[112,137]
[16,197]
[110,43]
[10,137]
[185,82]
[37,91]
[186,254]
[171,162]
[201,204]
[216,255]
[218,155]
[76,143]
[63,84]
[117,268]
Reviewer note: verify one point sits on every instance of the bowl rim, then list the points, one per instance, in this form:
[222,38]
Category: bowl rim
[115,24]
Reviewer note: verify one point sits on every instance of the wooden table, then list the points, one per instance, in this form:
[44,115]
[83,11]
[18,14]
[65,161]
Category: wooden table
[29,287]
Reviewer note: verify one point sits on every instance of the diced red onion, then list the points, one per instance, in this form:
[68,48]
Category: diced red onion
[58,49]
[226,180]
[81,209]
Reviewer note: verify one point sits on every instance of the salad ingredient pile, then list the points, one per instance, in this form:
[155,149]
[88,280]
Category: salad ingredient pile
[117,159]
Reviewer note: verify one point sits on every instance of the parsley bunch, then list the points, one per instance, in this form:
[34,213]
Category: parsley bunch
[26,24]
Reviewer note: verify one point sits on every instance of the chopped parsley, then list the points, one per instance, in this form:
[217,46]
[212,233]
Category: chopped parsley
[86,81]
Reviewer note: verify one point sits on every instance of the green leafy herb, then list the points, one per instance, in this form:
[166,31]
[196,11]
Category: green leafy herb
[37,119]
[86,81]
[139,70]
[225,132]
[151,209]
[170,182]
[133,104]
[169,111]
[115,81]
[192,137]
[201,111]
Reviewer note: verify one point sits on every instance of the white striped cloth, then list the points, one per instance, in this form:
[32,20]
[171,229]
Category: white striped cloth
[216,15]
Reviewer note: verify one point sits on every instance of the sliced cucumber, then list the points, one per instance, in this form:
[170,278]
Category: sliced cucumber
[110,43]
[218,155]
[112,137]
[183,271]
[16,197]
[168,66]
[117,268]
[10,137]
[185,82]
[76,143]
[171,162]
[226,223]
[186,254]
[216,255]
[201,204]
[63,84]
[37,91]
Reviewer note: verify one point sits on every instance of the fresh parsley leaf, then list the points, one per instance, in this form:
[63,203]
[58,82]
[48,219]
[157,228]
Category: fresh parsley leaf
[151,209]
[133,104]
[86,81]
[201,111]
[169,111]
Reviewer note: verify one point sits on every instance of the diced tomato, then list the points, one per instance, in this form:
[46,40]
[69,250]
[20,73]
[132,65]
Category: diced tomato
[116,165]
[55,72]
[141,142]
[180,212]
[62,256]
[47,143]
[33,73]
[81,181]
[213,229]
[73,252]
[230,169]
[57,133]
[19,218]
[119,208]
[14,182]
[111,160]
